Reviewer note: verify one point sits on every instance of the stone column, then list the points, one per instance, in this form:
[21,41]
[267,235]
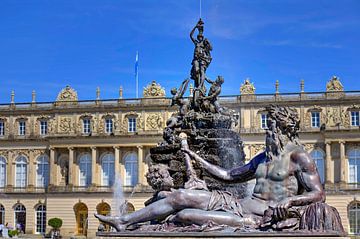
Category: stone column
[140,164]
[71,172]
[117,159]
[10,172]
[53,168]
[94,177]
[328,164]
[343,163]
[32,171]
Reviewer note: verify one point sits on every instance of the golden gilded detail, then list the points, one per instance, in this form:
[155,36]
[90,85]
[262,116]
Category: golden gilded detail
[67,94]
[247,88]
[153,90]
[334,84]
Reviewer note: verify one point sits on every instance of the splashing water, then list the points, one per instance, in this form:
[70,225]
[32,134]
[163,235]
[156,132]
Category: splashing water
[119,203]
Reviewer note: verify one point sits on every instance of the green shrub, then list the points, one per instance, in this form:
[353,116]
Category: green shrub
[13,233]
[55,223]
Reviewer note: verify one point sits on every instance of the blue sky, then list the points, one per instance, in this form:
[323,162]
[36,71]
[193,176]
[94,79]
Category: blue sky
[46,45]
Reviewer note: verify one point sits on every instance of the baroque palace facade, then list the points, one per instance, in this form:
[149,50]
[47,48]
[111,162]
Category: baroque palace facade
[61,159]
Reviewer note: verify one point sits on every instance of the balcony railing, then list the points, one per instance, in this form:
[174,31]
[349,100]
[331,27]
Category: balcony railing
[230,99]
[74,189]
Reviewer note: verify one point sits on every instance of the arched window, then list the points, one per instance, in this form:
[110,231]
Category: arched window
[2,215]
[354,166]
[108,169]
[354,217]
[85,170]
[81,213]
[40,219]
[42,171]
[20,216]
[2,172]
[21,172]
[131,169]
[318,157]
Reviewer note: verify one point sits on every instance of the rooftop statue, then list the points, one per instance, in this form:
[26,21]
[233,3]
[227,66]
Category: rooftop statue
[199,175]
[247,88]
[334,84]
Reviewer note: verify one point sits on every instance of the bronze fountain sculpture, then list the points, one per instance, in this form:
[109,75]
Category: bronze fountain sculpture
[199,175]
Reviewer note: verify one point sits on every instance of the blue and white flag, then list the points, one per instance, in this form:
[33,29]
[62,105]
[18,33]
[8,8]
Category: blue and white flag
[137,74]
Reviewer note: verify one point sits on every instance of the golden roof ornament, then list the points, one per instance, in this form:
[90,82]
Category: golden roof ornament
[67,94]
[247,88]
[334,84]
[153,90]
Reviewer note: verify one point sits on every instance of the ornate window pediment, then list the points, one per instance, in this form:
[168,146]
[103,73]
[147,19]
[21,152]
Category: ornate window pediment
[315,108]
[153,90]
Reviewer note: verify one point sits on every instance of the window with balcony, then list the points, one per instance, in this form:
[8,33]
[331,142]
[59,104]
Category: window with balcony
[263,121]
[354,217]
[40,219]
[315,119]
[43,127]
[131,169]
[42,171]
[354,165]
[108,169]
[85,170]
[2,128]
[318,157]
[2,172]
[355,118]
[109,126]
[132,124]
[22,128]
[21,172]
[86,126]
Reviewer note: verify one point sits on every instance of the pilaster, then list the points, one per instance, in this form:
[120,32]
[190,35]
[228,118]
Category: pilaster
[343,162]
[71,166]
[140,164]
[328,164]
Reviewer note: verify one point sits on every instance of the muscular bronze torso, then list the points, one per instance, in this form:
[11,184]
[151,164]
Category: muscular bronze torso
[275,179]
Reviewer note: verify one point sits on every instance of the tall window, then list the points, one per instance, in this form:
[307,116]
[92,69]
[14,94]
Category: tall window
[43,127]
[85,170]
[2,215]
[315,119]
[109,126]
[318,157]
[20,216]
[2,128]
[22,127]
[132,124]
[131,169]
[354,166]
[86,126]
[108,169]
[355,118]
[263,121]
[354,218]
[21,172]
[40,219]
[2,172]
[42,171]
